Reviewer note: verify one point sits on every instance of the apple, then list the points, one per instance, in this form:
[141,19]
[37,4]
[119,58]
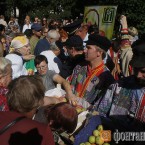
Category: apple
[92,139]
[30,72]
[106,143]
[99,140]
[63,99]
[79,110]
[83,109]
[100,128]
[79,106]
[96,133]
[87,143]
[82,144]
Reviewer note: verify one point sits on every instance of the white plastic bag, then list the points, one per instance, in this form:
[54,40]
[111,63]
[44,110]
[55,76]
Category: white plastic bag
[57,92]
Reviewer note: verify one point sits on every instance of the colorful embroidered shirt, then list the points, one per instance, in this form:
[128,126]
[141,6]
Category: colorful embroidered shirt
[89,84]
[123,98]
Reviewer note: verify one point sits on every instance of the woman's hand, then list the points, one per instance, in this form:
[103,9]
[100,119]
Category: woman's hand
[28,57]
[72,99]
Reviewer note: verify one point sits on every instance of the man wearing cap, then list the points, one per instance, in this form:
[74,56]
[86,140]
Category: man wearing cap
[91,81]
[37,32]
[127,96]
[75,50]
[73,27]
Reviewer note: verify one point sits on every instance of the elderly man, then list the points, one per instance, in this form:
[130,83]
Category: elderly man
[91,81]
[127,96]
[44,44]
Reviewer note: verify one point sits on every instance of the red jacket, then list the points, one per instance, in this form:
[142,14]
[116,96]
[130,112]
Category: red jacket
[24,132]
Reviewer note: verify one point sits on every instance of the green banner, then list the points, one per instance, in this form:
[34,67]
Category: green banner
[103,17]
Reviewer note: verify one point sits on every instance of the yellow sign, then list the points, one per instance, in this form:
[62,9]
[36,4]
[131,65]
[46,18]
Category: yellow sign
[103,17]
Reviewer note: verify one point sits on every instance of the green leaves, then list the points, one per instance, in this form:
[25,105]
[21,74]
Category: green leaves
[134,10]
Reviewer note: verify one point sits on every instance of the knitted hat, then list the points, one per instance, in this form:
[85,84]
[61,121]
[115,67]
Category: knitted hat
[101,41]
[19,42]
[74,41]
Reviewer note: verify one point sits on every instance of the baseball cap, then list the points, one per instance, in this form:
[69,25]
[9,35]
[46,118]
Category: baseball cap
[36,27]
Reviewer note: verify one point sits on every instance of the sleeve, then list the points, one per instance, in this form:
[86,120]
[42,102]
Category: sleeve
[103,105]
[125,43]
[48,138]
[51,73]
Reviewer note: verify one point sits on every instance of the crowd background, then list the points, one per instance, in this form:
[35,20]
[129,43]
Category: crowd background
[71,9]
[107,74]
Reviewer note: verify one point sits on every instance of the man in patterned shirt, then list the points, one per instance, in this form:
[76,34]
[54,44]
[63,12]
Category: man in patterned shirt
[91,81]
[127,96]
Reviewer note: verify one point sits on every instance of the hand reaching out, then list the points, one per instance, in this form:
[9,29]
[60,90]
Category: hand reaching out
[123,21]
[72,99]
[28,57]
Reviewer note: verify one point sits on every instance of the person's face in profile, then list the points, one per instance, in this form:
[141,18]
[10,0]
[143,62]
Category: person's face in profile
[6,79]
[140,76]
[42,68]
[92,52]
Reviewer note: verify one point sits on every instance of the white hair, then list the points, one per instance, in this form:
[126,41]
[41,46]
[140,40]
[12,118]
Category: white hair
[53,34]
[54,47]
[4,62]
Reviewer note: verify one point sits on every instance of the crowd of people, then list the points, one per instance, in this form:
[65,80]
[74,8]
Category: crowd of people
[108,74]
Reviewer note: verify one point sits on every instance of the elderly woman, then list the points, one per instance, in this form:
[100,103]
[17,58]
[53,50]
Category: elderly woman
[50,78]
[20,53]
[24,97]
[5,78]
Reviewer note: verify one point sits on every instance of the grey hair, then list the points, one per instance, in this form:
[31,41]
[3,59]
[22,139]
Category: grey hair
[104,52]
[53,47]
[4,62]
[53,34]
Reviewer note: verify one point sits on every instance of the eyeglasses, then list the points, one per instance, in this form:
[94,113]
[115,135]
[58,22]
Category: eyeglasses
[42,67]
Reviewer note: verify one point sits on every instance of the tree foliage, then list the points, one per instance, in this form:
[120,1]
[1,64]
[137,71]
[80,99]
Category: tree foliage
[134,10]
